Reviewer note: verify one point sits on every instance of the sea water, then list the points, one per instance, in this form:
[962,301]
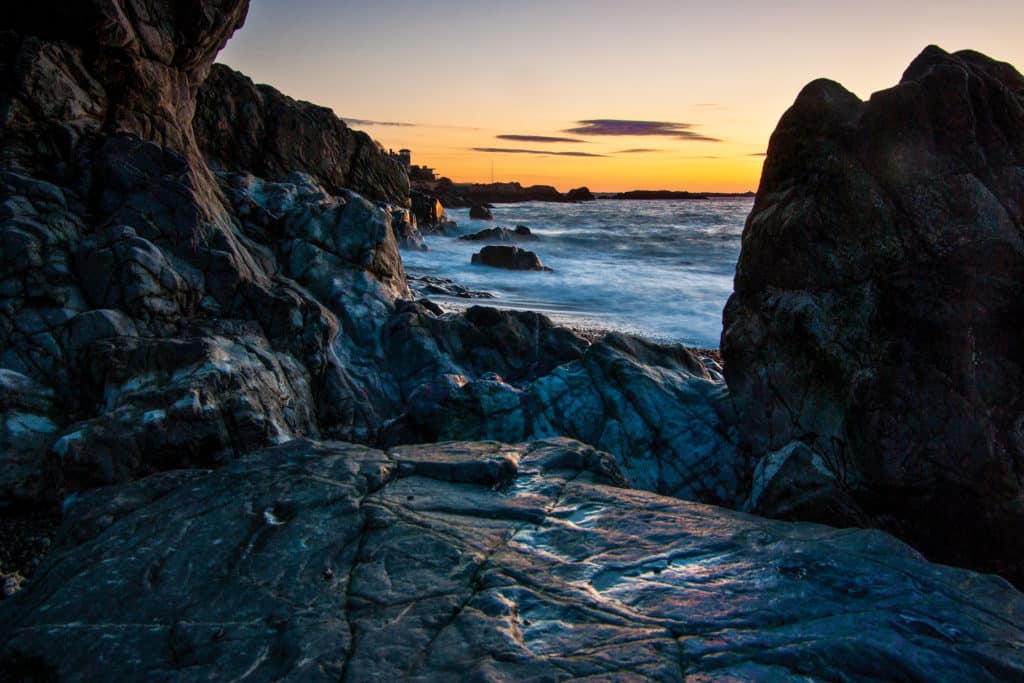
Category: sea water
[662,269]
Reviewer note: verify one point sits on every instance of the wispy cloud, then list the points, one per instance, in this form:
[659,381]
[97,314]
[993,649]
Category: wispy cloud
[536,138]
[542,152]
[639,150]
[623,127]
[758,154]
[400,124]
[367,122]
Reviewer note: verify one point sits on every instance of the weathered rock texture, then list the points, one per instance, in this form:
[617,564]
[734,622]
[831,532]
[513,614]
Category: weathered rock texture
[241,126]
[509,258]
[873,343]
[482,562]
[148,321]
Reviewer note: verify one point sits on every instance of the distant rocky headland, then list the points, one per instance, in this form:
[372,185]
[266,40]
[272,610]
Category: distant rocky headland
[270,460]
[672,194]
[458,195]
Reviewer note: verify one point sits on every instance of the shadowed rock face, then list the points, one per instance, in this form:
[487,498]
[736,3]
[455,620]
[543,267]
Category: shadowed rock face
[241,126]
[873,343]
[119,66]
[146,320]
[482,560]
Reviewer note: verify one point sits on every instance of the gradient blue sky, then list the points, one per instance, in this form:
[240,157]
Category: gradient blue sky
[466,72]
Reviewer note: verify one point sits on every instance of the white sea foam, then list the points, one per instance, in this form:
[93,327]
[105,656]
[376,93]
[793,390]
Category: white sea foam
[663,269]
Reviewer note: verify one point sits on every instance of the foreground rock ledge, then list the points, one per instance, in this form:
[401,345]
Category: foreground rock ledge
[482,561]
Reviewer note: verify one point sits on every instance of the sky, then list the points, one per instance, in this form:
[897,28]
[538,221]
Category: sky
[648,94]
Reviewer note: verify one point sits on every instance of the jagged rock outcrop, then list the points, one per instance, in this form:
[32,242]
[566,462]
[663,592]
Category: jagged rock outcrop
[111,66]
[337,562]
[873,343]
[244,127]
[146,322]
[655,408]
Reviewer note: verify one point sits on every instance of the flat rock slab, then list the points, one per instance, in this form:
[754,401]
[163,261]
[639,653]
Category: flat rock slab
[330,561]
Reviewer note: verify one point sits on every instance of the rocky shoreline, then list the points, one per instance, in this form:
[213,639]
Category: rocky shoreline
[273,461]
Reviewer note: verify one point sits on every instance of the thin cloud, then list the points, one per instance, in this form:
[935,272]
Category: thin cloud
[639,150]
[758,154]
[505,150]
[367,122]
[624,127]
[536,138]
[400,124]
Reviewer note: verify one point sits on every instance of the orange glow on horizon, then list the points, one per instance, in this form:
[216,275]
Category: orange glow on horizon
[717,76]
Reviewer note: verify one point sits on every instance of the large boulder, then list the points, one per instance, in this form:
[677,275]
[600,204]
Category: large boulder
[481,561]
[509,258]
[873,342]
[241,126]
[480,211]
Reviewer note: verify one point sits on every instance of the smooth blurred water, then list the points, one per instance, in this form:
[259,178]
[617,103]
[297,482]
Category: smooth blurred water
[662,269]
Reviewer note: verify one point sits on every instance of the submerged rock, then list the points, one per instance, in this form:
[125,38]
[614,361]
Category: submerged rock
[337,562]
[873,342]
[520,233]
[509,258]
[425,285]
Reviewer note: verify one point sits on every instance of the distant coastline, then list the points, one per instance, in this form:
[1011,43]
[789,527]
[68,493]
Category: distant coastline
[458,195]
[669,194]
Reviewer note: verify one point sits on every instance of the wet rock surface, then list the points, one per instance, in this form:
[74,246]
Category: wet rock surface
[427,285]
[509,258]
[873,343]
[334,561]
[160,322]
[656,408]
[520,233]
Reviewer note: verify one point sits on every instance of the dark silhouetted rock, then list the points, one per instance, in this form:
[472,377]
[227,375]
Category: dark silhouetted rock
[480,211]
[873,343]
[241,126]
[407,234]
[580,194]
[510,258]
[427,209]
[521,233]
[337,562]
[463,195]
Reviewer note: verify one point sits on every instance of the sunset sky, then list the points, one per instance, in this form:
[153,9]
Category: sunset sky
[643,94]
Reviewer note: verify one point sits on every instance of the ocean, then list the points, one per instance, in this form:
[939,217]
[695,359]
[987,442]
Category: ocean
[662,269]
